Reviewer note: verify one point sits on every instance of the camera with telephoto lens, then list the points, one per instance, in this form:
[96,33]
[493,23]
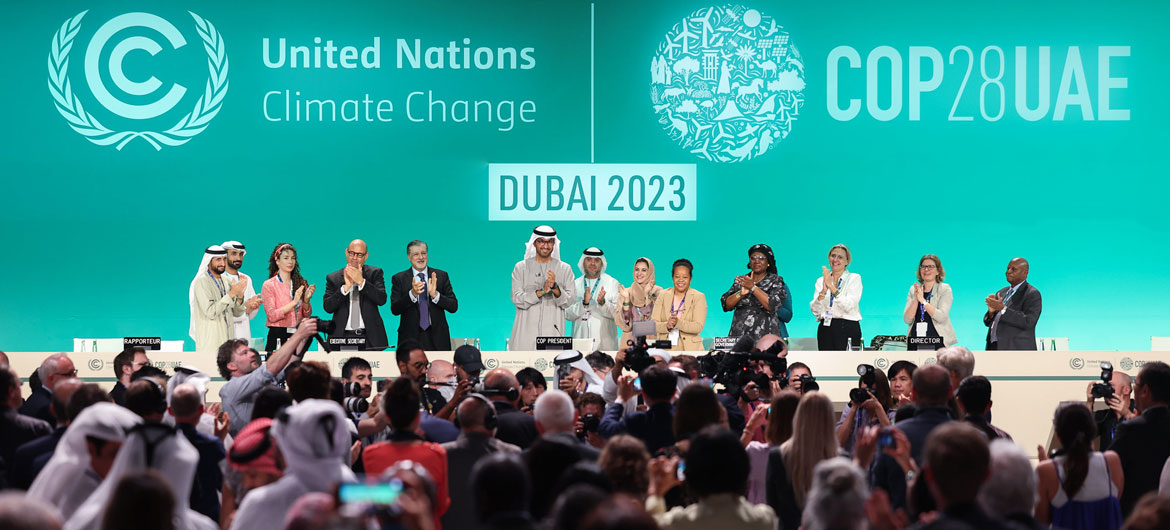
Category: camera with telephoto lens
[590,423]
[1104,389]
[324,327]
[808,383]
[860,394]
[638,354]
[733,369]
[353,401]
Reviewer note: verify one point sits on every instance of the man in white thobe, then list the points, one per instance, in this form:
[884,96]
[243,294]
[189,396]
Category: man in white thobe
[241,325]
[597,294]
[214,301]
[542,287]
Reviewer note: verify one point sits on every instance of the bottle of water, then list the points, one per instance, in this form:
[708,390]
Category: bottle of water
[849,344]
[862,345]
[477,343]
[94,346]
[278,342]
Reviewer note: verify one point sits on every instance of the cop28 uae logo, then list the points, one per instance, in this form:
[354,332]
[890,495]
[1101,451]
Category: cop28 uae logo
[727,83]
[141,115]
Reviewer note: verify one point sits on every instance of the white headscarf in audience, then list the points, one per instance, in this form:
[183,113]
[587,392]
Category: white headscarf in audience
[149,446]
[314,438]
[68,479]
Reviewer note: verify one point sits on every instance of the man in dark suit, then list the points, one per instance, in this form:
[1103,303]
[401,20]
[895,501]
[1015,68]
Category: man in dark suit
[476,441]
[1143,443]
[423,296]
[931,391]
[655,427]
[54,368]
[15,429]
[187,408]
[555,418]
[357,286]
[1013,311]
[513,426]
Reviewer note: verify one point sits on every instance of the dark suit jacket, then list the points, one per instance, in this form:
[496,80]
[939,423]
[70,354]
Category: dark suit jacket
[372,296]
[438,337]
[18,429]
[514,426]
[208,477]
[779,492]
[655,427]
[37,406]
[966,517]
[887,474]
[30,458]
[1143,444]
[587,452]
[1017,326]
[462,454]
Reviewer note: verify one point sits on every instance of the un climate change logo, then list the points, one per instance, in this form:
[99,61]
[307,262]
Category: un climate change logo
[727,83]
[86,124]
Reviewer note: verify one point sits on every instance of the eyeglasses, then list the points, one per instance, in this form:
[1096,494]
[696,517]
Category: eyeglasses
[927,267]
[421,366]
[70,373]
[355,254]
[759,258]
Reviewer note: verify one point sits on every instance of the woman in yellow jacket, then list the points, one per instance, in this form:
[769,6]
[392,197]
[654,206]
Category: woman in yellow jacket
[681,312]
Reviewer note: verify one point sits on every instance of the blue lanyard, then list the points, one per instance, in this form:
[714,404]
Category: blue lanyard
[838,288]
[922,307]
[218,286]
[592,290]
[675,312]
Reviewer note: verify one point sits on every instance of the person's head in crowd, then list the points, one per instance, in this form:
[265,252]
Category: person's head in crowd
[19,512]
[1011,488]
[959,362]
[547,460]
[688,363]
[1152,387]
[412,360]
[254,454]
[619,513]
[86,395]
[147,399]
[767,341]
[55,368]
[315,443]
[661,357]
[1152,512]
[1017,271]
[532,385]
[357,370]
[472,416]
[1076,429]
[880,388]
[186,404]
[696,407]
[814,438]
[716,463]
[129,361]
[974,395]
[590,403]
[501,385]
[270,401]
[416,481]
[150,372]
[142,500]
[781,412]
[601,363]
[468,362]
[235,359]
[400,402]
[582,472]
[313,511]
[62,391]
[4,359]
[310,380]
[795,370]
[957,461]
[573,505]
[901,375]
[574,380]
[837,498]
[500,484]
[626,463]
[1122,385]
[658,384]
[932,386]
[443,373]
[10,388]
[554,412]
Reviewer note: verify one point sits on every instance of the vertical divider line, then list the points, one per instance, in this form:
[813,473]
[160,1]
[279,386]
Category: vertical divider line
[592,51]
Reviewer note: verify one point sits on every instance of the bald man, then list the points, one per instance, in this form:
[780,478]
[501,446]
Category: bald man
[353,295]
[1013,311]
[514,427]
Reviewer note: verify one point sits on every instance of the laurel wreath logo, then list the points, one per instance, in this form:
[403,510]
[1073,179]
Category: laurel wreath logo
[87,125]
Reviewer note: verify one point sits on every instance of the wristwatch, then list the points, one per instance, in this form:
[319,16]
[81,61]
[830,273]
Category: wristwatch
[910,476]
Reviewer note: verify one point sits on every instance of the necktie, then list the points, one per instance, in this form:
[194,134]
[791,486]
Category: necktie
[355,308]
[424,305]
[995,323]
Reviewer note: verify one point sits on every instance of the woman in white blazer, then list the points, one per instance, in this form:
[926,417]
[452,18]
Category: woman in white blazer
[928,308]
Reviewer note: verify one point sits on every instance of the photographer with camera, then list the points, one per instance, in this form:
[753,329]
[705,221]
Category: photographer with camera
[800,378]
[636,358]
[590,409]
[1116,389]
[869,404]
[655,426]
[246,376]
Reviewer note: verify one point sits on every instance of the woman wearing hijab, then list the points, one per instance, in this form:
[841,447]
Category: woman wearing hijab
[636,303]
[757,297]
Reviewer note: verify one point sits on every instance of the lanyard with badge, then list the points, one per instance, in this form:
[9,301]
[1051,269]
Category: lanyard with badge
[291,293]
[674,312]
[592,291]
[921,328]
[827,318]
[218,286]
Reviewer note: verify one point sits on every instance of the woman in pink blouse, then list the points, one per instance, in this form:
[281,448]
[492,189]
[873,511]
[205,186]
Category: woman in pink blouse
[285,295]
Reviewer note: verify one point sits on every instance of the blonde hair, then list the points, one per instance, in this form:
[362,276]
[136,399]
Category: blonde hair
[848,254]
[814,439]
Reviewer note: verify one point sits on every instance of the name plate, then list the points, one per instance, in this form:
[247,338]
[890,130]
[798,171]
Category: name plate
[554,343]
[925,342]
[347,341]
[150,343]
[724,343]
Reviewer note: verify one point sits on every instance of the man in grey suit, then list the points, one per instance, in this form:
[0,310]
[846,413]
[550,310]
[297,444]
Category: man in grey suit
[477,423]
[1013,311]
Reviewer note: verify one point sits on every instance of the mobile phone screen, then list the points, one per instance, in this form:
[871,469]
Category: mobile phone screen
[384,493]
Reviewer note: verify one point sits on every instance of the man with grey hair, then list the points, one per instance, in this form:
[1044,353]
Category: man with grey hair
[53,369]
[423,296]
[837,497]
[555,417]
[959,362]
[1010,490]
[18,512]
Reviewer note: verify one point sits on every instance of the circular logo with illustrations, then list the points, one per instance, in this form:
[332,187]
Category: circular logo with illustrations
[929,360]
[122,62]
[341,362]
[1076,363]
[540,364]
[1126,363]
[727,83]
[96,364]
[491,363]
[881,362]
